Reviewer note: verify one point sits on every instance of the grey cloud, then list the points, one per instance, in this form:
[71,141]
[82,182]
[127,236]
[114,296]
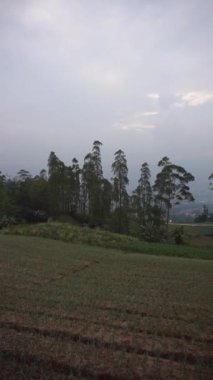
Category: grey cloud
[70,70]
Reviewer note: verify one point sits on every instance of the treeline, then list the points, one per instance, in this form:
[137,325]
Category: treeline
[84,195]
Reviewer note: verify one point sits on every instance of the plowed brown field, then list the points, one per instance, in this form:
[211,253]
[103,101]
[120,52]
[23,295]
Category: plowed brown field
[77,312]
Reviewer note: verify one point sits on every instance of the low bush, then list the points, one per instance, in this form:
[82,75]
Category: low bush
[6,221]
[153,233]
[178,235]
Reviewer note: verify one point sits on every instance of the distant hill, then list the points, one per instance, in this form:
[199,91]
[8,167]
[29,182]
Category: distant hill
[186,212]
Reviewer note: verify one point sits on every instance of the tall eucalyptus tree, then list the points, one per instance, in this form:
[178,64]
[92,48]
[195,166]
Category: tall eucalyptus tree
[171,186]
[56,181]
[120,196]
[142,195]
[3,194]
[75,184]
[92,177]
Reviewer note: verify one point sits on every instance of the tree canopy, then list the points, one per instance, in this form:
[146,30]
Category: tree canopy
[86,196]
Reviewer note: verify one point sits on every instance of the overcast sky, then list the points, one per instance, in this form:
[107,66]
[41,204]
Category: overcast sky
[134,74]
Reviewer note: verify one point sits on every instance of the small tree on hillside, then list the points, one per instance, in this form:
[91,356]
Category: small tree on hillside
[203,217]
[210,183]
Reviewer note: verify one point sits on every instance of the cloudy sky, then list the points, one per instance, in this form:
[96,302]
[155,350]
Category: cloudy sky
[134,74]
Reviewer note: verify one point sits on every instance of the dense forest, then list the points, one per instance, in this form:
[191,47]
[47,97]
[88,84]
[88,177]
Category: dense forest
[86,197]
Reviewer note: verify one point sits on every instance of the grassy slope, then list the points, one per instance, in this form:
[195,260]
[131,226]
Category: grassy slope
[69,233]
[110,301]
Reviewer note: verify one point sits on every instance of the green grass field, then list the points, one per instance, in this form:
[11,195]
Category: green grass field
[202,247]
[73,311]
